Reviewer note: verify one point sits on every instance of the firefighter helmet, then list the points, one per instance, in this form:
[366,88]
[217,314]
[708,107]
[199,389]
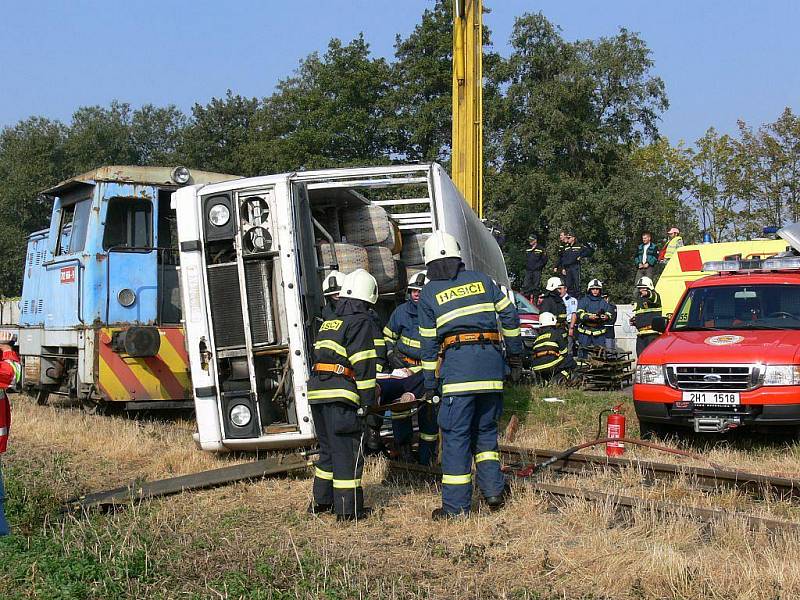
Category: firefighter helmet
[417,280]
[553,284]
[360,285]
[594,284]
[547,319]
[441,245]
[332,284]
[645,282]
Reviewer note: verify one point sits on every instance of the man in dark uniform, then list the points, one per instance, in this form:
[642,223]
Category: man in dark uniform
[553,302]
[550,358]
[461,347]
[404,351]
[592,315]
[569,263]
[535,261]
[340,390]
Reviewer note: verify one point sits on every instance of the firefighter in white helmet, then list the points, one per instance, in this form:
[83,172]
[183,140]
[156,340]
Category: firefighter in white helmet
[553,301]
[462,358]
[592,315]
[404,353]
[646,308]
[550,358]
[340,390]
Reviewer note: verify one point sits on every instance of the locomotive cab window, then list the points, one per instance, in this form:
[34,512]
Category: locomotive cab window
[129,224]
[73,228]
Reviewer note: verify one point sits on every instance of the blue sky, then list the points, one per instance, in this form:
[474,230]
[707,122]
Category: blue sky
[721,61]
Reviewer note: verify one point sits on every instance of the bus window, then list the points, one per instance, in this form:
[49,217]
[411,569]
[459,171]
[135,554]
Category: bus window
[129,224]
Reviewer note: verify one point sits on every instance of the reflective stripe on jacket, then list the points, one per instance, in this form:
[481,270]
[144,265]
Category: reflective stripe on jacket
[348,340]
[589,314]
[402,331]
[470,302]
[645,310]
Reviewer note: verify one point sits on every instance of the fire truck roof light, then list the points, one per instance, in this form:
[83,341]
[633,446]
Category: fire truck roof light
[776,264]
[721,265]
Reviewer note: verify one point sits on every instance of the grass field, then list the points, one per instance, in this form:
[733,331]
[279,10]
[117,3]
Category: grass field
[255,540]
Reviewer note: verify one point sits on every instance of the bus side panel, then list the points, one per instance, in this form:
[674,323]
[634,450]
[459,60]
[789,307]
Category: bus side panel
[480,250]
[122,378]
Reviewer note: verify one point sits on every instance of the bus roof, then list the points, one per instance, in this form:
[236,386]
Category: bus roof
[159,176]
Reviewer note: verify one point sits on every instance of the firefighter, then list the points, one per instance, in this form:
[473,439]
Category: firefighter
[592,315]
[331,286]
[552,300]
[340,390]
[535,261]
[10,374]
[404,351]
[550,358]
[461,346]
[647,306]
[569,262]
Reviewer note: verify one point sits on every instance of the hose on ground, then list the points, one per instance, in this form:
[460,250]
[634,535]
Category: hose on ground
[535,468]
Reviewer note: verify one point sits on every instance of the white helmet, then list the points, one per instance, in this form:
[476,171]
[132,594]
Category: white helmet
[594,284]
[553,284]
[332,283]
[547,319]
[360,285]
[417,280]
[645,282]
[440,245]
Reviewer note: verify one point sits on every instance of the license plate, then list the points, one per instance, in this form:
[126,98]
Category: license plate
[712,398]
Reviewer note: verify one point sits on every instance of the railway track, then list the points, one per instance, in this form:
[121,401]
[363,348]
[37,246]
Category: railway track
[707,479]
[517,459]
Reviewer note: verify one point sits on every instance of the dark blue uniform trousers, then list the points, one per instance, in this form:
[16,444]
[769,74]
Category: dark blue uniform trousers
[337,473]
[469,431]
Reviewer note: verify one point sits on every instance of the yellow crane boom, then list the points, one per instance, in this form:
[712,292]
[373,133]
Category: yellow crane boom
[467,148]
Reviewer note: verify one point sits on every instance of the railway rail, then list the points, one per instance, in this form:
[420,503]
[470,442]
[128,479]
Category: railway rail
[517,460]
[707,479]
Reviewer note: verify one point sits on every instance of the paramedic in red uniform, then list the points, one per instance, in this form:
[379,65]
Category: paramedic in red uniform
[10,372]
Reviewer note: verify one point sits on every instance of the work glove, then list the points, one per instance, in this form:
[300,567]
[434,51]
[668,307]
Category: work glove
[515,362]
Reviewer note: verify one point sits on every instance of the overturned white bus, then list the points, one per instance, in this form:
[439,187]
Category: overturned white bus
[253,255]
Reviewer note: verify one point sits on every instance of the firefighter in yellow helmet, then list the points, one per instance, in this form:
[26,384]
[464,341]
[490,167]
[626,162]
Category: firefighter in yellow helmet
[646,308]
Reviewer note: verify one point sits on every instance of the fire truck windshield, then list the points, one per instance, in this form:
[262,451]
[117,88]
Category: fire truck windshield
[727,307]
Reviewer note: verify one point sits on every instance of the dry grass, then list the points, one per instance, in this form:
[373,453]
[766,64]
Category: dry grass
[254,540]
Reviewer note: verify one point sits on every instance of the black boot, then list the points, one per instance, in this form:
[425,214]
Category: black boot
[439,514]
[359,516]
[318,509]
[499,501]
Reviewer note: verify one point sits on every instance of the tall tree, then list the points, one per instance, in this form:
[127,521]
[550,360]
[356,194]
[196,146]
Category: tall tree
[32,158]
[218,134]
[331,112]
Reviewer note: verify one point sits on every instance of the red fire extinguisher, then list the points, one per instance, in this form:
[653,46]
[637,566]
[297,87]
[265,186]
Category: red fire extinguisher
[616,430]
